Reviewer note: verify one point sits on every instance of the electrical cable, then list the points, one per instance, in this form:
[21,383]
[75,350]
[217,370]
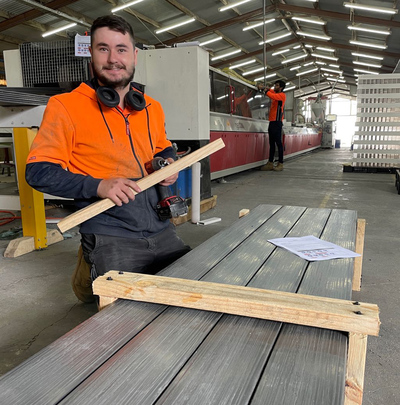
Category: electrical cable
[12,217]
[6,220]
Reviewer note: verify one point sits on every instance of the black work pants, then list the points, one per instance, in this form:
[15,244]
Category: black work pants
[142,255]
[275,137]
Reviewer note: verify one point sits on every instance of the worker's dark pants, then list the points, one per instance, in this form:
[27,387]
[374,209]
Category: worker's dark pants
[144,255]
[275,137]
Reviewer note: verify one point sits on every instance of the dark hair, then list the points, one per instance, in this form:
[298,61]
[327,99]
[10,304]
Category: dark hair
[114,23]
[281,84]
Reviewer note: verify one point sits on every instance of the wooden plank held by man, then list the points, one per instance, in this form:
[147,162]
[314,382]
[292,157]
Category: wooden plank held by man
[144,183]
[81,278]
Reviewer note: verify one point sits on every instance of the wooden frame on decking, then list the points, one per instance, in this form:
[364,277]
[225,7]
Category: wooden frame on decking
[357,275]
[357,319]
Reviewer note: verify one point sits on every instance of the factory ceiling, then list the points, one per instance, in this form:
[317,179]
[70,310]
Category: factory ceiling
[316,45]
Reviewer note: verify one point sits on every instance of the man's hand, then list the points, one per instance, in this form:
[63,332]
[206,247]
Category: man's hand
[118,190]
[171,179]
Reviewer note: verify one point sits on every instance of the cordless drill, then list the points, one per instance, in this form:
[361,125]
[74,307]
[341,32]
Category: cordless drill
[169,206]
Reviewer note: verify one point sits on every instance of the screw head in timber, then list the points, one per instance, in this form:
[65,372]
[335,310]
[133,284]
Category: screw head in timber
[358,312]
[120,272]
[356,303]
[109,278]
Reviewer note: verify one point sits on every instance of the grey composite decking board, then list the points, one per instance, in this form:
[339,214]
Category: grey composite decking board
[195,264]
[307,365]
[136,364]
[226,368]
[52,373]
[91,343]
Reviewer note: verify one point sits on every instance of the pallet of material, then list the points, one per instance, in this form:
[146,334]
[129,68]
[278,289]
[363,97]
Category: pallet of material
[147,353]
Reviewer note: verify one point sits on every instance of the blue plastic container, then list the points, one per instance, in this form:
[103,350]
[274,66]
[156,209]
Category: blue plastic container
[183,186]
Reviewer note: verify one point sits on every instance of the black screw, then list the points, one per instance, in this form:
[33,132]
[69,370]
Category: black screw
[358,312]
[120,272]
[356,303]
[109,278]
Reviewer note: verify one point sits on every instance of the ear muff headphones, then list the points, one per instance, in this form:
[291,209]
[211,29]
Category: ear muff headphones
[110,98]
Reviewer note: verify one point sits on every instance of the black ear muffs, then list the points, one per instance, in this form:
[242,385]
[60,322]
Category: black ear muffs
[110,98]
[135,100]
[107,96]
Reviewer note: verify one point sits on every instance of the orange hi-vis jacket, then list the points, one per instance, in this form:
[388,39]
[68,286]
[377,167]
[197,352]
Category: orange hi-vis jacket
[95,142]
[277,104]
[74,134]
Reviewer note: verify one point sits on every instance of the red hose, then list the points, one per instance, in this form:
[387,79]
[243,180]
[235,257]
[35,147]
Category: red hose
[6,220]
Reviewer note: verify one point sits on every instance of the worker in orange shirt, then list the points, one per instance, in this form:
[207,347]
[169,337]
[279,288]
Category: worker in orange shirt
[278,99]
[93,143]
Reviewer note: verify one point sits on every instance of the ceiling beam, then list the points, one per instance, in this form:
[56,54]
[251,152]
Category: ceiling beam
[34,24]
[185,10]
[354,48]
[135,13]
[10,40]
[32,14]
[337,16]
[217,26]
[254,53]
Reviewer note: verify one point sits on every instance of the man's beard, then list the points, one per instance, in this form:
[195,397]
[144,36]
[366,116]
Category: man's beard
[115,84]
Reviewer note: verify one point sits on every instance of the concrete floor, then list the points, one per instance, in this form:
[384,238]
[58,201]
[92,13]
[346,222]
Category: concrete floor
[38,305]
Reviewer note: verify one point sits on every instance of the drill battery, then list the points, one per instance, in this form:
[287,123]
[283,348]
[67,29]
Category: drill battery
[169,206]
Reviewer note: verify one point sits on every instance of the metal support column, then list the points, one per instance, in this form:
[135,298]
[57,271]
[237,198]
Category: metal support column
[32,201]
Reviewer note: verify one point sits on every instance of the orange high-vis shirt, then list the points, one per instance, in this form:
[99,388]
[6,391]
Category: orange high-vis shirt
[76,135]
[277,104]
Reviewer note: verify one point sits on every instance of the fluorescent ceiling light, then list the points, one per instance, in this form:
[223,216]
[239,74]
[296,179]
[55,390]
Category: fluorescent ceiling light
[333,79]
[308,64]
[293,59]
[321,48]
[63,28]
[385,10]
[320,63]
[131,3]
[226,54]
[334,66]
[265,77]
[339,72]
[307,71]
[364,55]
[210,41]
[289,88]
[249,27]
[309,34]
[367,64]
[366,71]
[356,28]
[297,47]
[295,67]
[368,44]
[318,55]
[220,98]
[275,38]
[242,64]
[232,5]
[309,20]
[308,46]
[171,27]
[249,72]
[280,52]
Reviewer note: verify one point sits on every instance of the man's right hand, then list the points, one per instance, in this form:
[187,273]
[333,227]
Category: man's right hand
[118,190]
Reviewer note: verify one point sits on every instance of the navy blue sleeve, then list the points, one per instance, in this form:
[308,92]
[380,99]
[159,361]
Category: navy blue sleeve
[167,153]
[51,178]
